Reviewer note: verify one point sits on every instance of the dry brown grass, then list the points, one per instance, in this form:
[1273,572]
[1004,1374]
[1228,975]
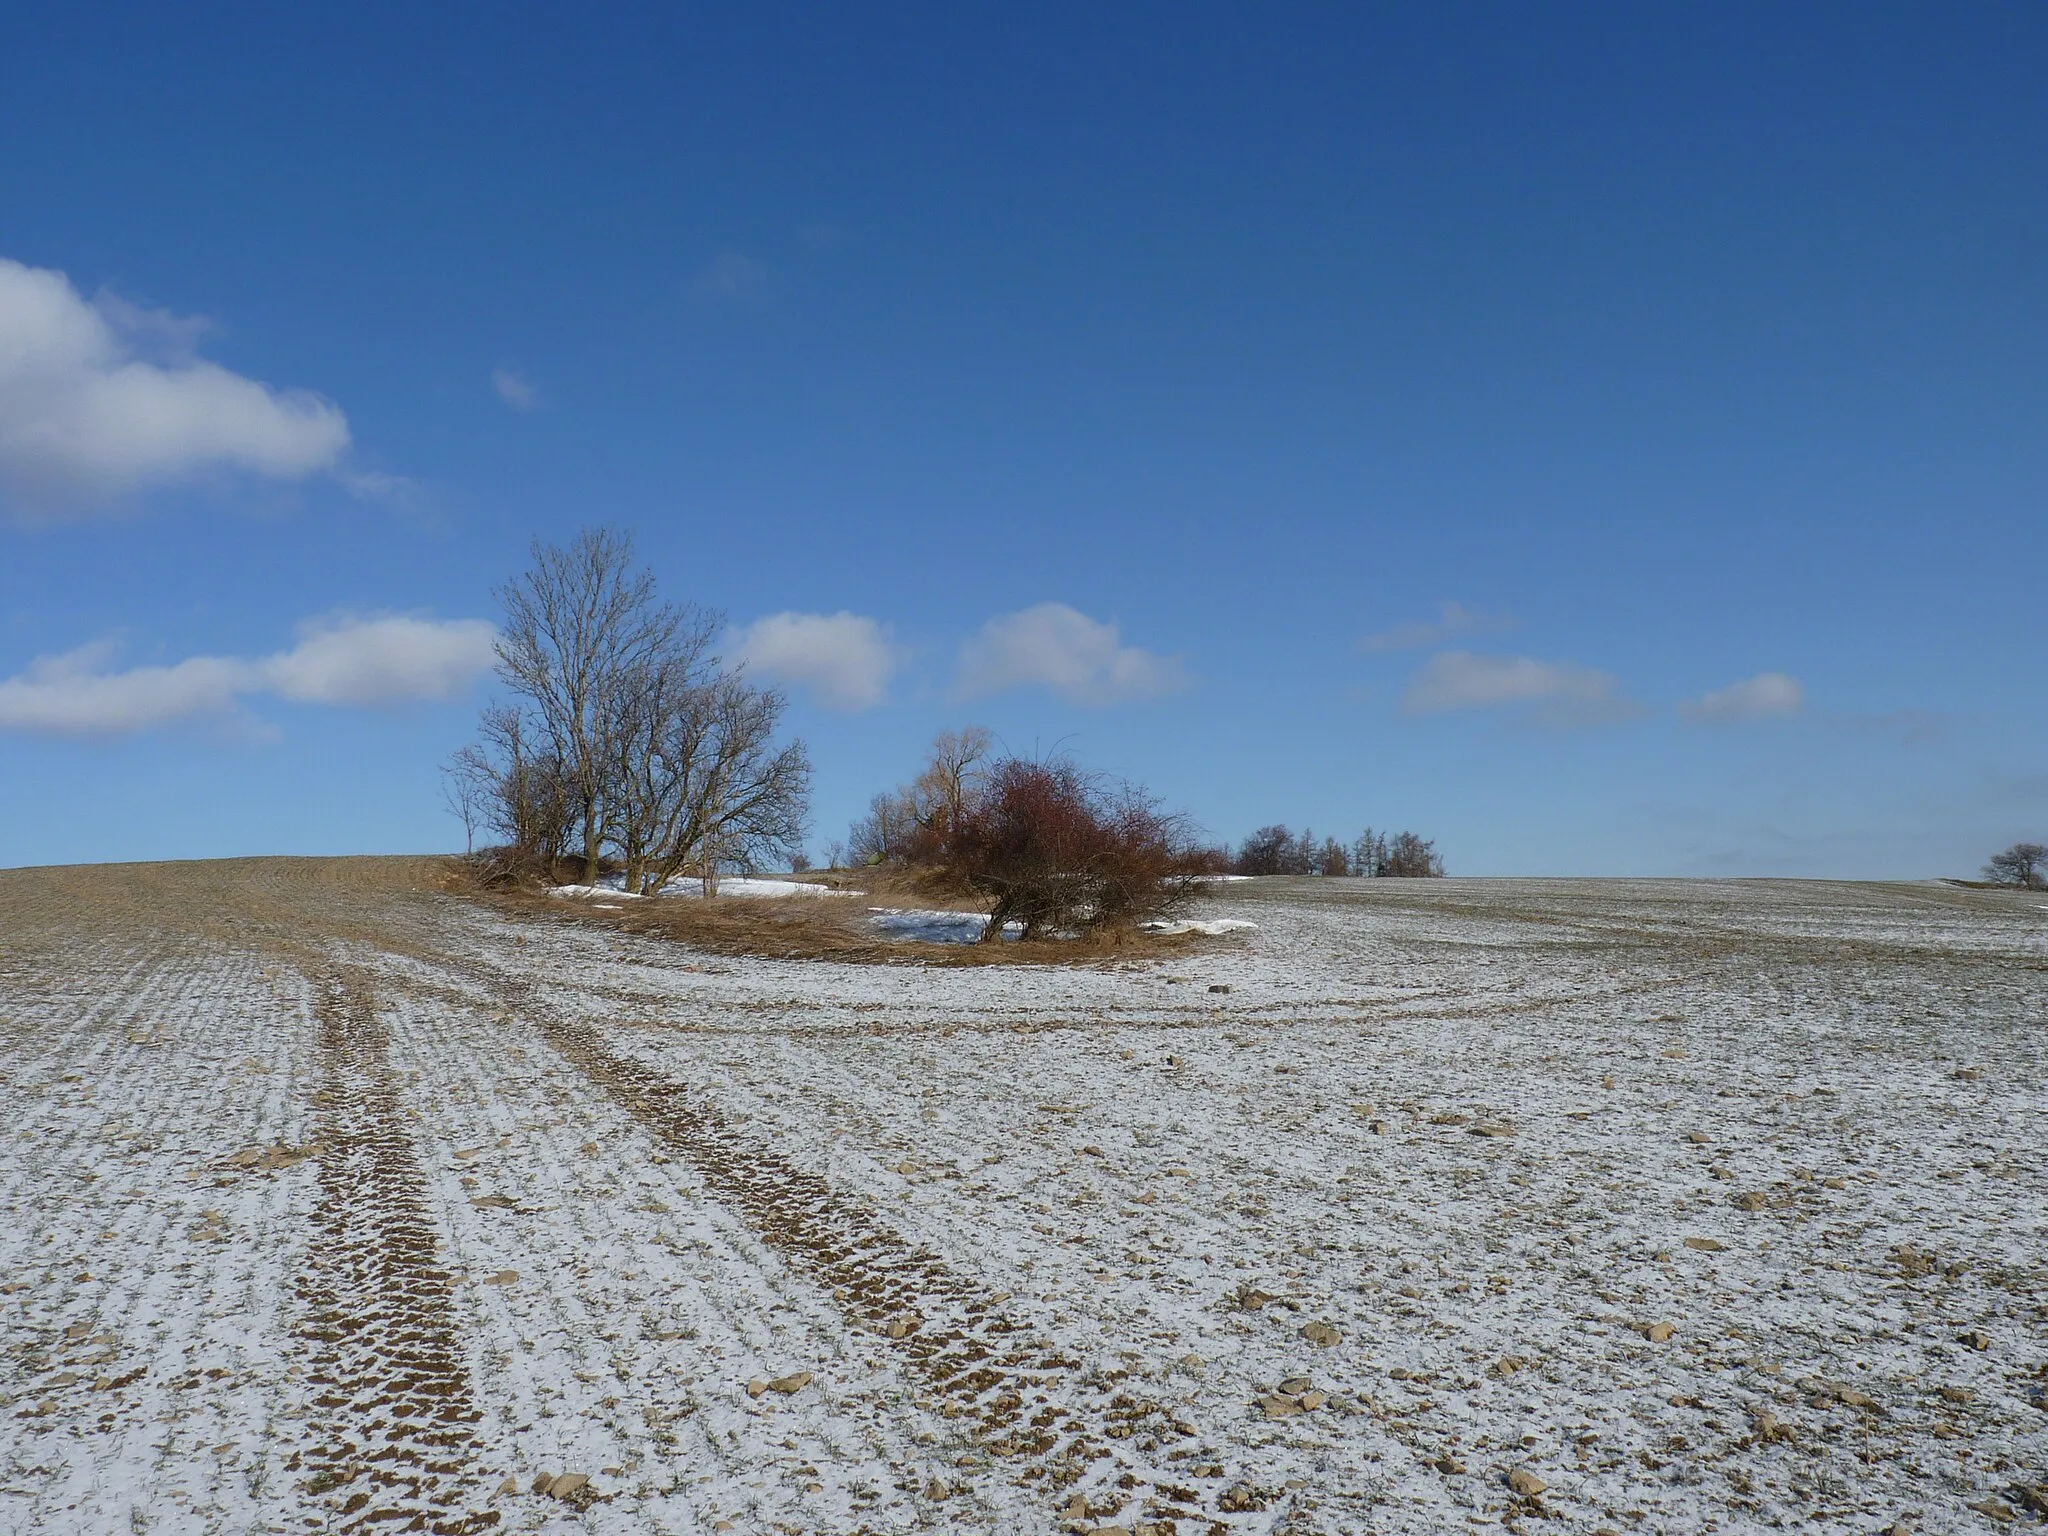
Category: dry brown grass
[819,927]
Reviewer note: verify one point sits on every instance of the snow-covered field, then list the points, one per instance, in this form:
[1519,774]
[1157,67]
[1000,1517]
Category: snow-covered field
[337,1204]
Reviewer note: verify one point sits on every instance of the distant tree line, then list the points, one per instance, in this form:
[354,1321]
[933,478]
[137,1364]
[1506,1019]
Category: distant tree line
[627,744]
[1275,850]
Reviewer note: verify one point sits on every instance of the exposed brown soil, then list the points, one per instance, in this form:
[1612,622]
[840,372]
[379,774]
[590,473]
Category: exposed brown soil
[396,1442]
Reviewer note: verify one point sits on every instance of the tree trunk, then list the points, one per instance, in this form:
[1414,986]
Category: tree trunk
[590,847]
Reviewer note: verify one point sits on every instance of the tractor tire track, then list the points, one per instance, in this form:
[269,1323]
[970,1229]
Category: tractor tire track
[1087,1442]
[396,1442]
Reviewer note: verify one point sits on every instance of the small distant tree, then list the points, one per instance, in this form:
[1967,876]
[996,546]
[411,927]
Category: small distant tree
[468,782]
[942,794]
[2023,864]
[835,854]
[1335,859]
[1268,851]
[885,834]
[1369,854]
[1410,858]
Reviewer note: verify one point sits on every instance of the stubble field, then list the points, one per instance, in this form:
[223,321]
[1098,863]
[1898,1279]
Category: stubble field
[335,1202]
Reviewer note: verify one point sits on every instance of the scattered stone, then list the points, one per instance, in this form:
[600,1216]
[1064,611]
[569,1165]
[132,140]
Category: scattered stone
[1248,1297]
[904,1326]
[1914,1262]
[1700,1139]
[1322,1334]
[1675,1053]
[1704,1244]
[757,1386]
[1606,1082]
[1967,1074]
[1497,1129]
[1449,1117]
[1656,1333]
[795,1382]
[1750,1200]
[567,1484]
[493,1203]
[1526,1483]
[1770,1429]
[1448,1465]
[935,1490]
[502,1277]
[1294,1384]
[1093,1151]
[1221,986]
[1976,1338]
[2002,1513]
[507,1489]
[1240,1498]
[905,1167]
[1956,1394]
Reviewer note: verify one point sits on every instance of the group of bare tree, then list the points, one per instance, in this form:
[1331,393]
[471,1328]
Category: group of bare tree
[1052,848]
[627,743]
[2023,864]
[1275,850]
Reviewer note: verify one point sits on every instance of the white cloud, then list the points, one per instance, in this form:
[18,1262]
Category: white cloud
[514,389]
[843,658]
[1452,619]
[338,660]
[68,695]
[1552,693]
[347,660]
[101,399]
[1056,647]
[1767,696]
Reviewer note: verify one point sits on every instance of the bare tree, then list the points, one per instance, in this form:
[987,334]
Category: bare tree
[1409,857]
[2023,864]
[1268,851]
[531,807]
[941,795]
[884,835]
[755,797]
[468,783]
[581,627]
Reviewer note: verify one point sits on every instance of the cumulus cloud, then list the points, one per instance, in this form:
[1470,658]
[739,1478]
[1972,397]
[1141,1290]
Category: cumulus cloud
[348,660]
[514,389]
[101,399]
[380,659]
[844,659]
[1057,647]
[1767,696]
[1452,619]
[1556,694]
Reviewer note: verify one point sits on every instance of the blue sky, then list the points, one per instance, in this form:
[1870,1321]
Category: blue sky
[1607,440]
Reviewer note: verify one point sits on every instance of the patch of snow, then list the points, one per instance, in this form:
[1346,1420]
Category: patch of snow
[1214,928]
[935,927]
[752,887]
